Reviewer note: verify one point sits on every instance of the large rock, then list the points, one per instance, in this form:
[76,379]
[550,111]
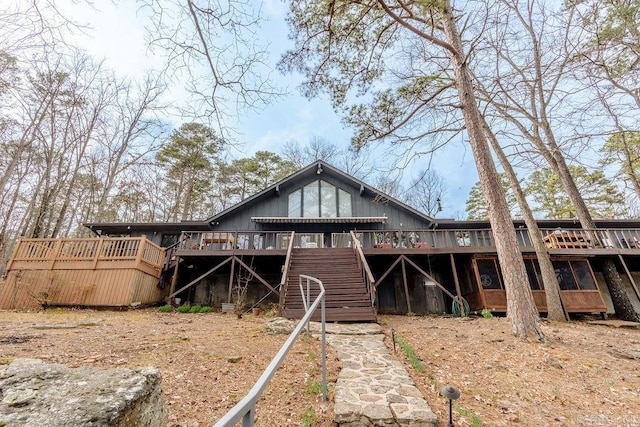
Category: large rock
[34,393]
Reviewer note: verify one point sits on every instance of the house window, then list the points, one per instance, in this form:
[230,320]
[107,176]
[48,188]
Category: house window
[574,275]
[344,203]
[319,199]
[329,200]
[311,200]
[295,203]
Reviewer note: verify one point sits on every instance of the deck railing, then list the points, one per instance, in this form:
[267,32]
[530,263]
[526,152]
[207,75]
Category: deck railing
[554,238]
[77,253]
[246,408]
[367,276]
[234,240]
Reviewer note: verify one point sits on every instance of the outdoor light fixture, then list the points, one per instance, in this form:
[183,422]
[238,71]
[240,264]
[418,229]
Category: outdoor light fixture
[451,393]
[319,171]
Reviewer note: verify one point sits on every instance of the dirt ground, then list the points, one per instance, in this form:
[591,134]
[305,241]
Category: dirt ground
[583,375]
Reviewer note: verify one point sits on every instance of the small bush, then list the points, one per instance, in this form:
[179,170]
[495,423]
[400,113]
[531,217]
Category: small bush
[185,308]
[196,308]
[165,308]
[486,313]
[205,309]
[314,387]
[309,417]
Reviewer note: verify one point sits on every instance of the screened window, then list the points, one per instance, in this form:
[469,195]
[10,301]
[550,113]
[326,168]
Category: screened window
[489,274]
[320,199]
[534,274]
[574,275]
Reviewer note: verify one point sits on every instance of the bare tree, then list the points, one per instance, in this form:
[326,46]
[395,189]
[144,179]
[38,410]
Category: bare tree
[527,83]
[426,192]
[216,48]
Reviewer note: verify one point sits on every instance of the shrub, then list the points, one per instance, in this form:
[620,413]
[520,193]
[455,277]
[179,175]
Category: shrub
[309,417]
[196,308]
[205,309]
[165,308]
[184,308]
[486,313]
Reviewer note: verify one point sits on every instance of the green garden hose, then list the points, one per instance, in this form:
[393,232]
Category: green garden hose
[455,307]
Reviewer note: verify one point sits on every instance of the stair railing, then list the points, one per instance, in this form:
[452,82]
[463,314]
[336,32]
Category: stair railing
[367,276]
[245,410]
[285,270]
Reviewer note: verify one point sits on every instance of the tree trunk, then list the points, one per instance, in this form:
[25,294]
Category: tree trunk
[549,278]
[618,292]
[521,309]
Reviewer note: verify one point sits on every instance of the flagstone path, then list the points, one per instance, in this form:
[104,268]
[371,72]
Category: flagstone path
[373,388]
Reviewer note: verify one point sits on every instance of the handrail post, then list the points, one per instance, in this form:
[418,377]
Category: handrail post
[323,318]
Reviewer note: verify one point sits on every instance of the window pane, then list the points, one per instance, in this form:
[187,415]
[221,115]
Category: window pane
[534,274]
[344,199]
[295,203]
[583,274]
[565,276]
[488,274]
[311,205]
[328,207]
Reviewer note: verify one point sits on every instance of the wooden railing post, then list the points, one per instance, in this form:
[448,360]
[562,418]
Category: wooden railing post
[140,253]
[56,253]
[16,251]
[98,251]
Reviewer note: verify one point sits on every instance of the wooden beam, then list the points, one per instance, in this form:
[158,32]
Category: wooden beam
[455,276]
[202,276]
[233,269]
[264,282]
[386,273]
[633,283]
[438,284]
[174,279]
[406,287]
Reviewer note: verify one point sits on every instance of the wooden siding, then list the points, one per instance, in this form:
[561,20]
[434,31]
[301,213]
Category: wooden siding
[85,272]
[277,206]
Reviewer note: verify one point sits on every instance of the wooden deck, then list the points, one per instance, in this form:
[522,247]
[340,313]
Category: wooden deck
[86,272]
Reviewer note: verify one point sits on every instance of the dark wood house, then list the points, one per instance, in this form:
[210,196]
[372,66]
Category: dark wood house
[373,253]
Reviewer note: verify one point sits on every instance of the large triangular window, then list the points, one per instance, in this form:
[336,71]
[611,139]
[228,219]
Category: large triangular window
[319,199]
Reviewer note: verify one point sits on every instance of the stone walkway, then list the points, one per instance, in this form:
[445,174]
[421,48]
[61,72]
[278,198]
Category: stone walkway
[373,388]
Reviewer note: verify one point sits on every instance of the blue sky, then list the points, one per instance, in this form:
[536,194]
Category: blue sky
[119,38]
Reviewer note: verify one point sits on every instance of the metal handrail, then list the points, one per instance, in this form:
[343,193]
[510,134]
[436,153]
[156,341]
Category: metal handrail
[246,408]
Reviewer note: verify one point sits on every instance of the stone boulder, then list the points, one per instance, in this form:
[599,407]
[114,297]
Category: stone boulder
[34,393]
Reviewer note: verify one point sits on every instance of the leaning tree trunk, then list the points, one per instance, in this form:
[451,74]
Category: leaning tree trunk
[618,292]
[521,309]
[549,278]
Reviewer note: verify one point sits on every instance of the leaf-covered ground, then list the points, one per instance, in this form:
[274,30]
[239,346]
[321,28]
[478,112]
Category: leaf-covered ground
[583,375]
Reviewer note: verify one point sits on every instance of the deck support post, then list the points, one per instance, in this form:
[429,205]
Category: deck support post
[233,267]
[626,269]
[174,280]
[406,287]
[455,277]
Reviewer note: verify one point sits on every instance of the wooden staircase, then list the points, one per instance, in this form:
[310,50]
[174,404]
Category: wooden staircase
[347,298]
